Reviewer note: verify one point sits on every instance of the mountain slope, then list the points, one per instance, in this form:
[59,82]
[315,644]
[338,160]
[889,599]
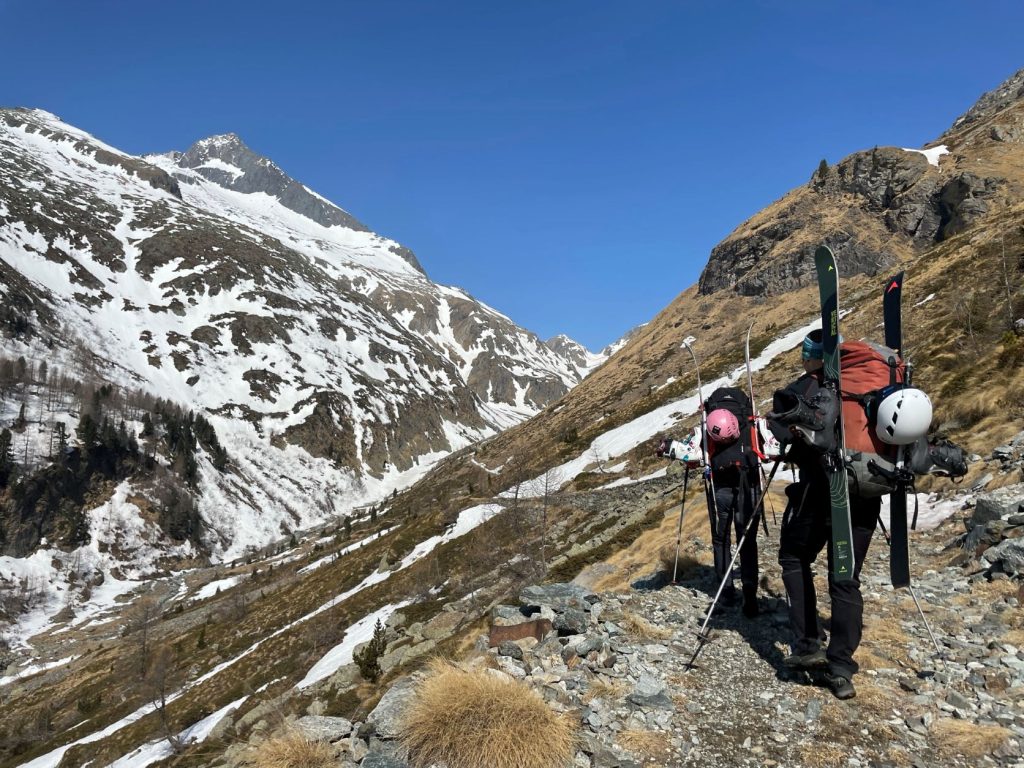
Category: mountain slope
[212,279]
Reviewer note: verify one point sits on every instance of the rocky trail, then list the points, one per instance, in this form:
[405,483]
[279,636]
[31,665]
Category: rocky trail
[616,662]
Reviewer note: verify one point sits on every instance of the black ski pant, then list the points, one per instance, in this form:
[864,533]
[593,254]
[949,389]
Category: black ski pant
[806,530]
[733,507]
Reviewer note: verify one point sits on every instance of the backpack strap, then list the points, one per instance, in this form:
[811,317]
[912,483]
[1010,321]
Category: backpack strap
[913,490]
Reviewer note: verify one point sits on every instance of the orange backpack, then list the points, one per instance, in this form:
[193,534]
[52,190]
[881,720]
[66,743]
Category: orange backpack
[866,368]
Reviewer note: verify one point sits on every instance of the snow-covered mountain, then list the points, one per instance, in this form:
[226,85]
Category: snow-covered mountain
[332,368]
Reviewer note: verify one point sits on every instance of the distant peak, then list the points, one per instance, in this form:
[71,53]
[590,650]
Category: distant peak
[222,145]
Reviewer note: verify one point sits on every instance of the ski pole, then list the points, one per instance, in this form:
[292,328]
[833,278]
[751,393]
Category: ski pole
[913,594]
[679,530]
[702,635]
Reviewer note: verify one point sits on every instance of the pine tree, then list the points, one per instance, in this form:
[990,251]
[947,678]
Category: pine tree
[6,456]
[60,434]
[368,658]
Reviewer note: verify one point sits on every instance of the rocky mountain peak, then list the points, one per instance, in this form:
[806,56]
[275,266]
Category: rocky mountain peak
[229,162]
[1008,93]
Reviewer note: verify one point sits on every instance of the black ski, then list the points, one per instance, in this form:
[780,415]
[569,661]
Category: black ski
[899,545]
[891,313]
[835,464]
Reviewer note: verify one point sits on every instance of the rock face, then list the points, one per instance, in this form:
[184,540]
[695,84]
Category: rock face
[879,206]
[858,208]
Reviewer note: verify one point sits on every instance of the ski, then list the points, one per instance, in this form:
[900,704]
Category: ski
[835,465]
[753,424]
[899,545]
[709,481]
[891,313]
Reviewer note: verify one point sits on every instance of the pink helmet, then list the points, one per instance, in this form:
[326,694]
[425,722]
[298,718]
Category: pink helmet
[722,426]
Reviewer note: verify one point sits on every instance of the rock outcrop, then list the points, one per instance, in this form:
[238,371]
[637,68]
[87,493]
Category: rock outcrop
[878,207]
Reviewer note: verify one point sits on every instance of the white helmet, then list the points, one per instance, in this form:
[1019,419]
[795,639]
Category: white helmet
[903,416]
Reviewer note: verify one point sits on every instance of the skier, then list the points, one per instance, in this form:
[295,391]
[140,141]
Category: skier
[806,531]
[735,485]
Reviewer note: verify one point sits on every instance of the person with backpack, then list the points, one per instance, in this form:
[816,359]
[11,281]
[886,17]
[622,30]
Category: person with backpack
[805,414]
[733,487]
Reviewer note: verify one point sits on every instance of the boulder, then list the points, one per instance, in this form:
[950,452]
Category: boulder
[386,716]
[558,596]
[329,729]
[536,628]
[442,625]
[998,504]
[1007,556]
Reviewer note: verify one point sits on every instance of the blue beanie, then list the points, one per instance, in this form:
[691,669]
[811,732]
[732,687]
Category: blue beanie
[813,348]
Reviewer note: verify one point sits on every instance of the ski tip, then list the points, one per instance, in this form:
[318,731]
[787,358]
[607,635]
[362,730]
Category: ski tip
[823,250]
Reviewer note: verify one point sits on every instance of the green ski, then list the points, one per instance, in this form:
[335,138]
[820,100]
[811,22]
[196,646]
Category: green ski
[835,457]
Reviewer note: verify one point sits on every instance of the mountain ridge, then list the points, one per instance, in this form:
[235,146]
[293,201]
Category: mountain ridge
[286,331]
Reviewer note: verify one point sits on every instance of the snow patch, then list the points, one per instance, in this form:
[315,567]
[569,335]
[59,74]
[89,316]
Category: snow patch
[932,155]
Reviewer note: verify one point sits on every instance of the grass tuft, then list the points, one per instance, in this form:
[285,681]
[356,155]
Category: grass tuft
[640,627]
[293,749]
[688,564]
[468,719]
[650,744]
[611,689]
[966,739]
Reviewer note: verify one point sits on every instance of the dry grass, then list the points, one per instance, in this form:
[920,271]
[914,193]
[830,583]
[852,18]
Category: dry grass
[651,744]
[686,681]
[870,700]
[472,719]
[965,739]
[687,567]
[823,755]
[640,627]
[645,552]
[986,592]
[884,642]
[606,688]
[1013,637]
[293,749]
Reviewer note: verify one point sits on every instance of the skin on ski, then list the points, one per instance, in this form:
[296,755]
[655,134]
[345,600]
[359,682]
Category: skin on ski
[899,545]
[835,465]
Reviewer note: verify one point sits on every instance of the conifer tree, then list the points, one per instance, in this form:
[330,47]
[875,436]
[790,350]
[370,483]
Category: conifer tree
[6,456]
[368,658]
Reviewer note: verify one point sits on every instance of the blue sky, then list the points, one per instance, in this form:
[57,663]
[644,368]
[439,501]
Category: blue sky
[570,163]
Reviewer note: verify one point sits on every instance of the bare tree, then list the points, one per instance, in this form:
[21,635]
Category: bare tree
[139,618]
[159,683]
[966,310]
[545,487]
[597,459]
[554,479]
